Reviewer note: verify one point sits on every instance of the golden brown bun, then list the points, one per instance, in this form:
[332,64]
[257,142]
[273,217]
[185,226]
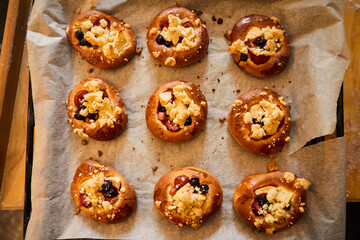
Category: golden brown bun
[183,58]
[244,197]
[185,134]
[105,132]
[269,145]
[210,206]
[122,205]
[92,56]
[276,63]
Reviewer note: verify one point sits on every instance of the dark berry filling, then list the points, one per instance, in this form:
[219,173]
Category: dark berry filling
[84,203]
[261,42]
[161,41]
[204,189]
[83,42]
[109,190]
[195,182]
[180,181]
[259,201]
[79,35]
[188,122]
[78,116]
[161,109]
[243,57]
[79,97]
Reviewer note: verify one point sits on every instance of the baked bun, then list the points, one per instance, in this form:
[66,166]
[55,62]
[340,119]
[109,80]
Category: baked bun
[188,196]
[260,45]
[102,193]
[271,201]
[102,40]
[260,122]
[177,37]
[176,112]
[96,109]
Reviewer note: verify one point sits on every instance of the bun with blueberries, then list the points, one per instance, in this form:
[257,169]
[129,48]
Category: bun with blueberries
[96,109]
[177,37]
[176,111]
[271,201]
[188,196]
[102,193]
[260,45]
[102,40]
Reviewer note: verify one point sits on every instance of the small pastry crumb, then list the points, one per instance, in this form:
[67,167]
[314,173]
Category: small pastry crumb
[78,11]
[272,166]
[220,21]
[227,35]
[213,18]
[154,168]
[222,120]
[84,142]
[90,70]
[100,153]
[138,50]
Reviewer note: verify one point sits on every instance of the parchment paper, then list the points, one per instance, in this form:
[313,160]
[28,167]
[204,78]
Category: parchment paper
[310,85]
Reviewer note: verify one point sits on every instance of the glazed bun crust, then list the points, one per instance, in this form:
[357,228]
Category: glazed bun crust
[211,205]
[160,130]
[244,197]
[182,58]
[92,56]
[105,132]
[276,63]
[125,203]
[270,145]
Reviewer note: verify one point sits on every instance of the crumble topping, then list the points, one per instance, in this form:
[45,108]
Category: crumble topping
[111,40]
[170,61]
[289,177]
[274,211]
[181,108]
[188,203]
[176,30]
[273,36]
[80,132]
[302,183]
[92,188]
[94,103]
[264,117]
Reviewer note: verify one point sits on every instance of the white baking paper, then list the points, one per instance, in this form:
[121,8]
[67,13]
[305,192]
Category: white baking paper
[310,85]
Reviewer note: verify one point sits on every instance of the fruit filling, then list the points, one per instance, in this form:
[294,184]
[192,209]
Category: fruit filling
[272,204]
[99,192]
[176,109]
[177,33]
[259,44]
[103,36]
[93,104]
[264,119]
[188,196]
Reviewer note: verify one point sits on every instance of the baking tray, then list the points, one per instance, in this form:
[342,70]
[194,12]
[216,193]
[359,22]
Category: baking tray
[30,144]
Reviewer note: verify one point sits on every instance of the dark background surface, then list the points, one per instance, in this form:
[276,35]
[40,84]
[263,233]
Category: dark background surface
[12,221]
